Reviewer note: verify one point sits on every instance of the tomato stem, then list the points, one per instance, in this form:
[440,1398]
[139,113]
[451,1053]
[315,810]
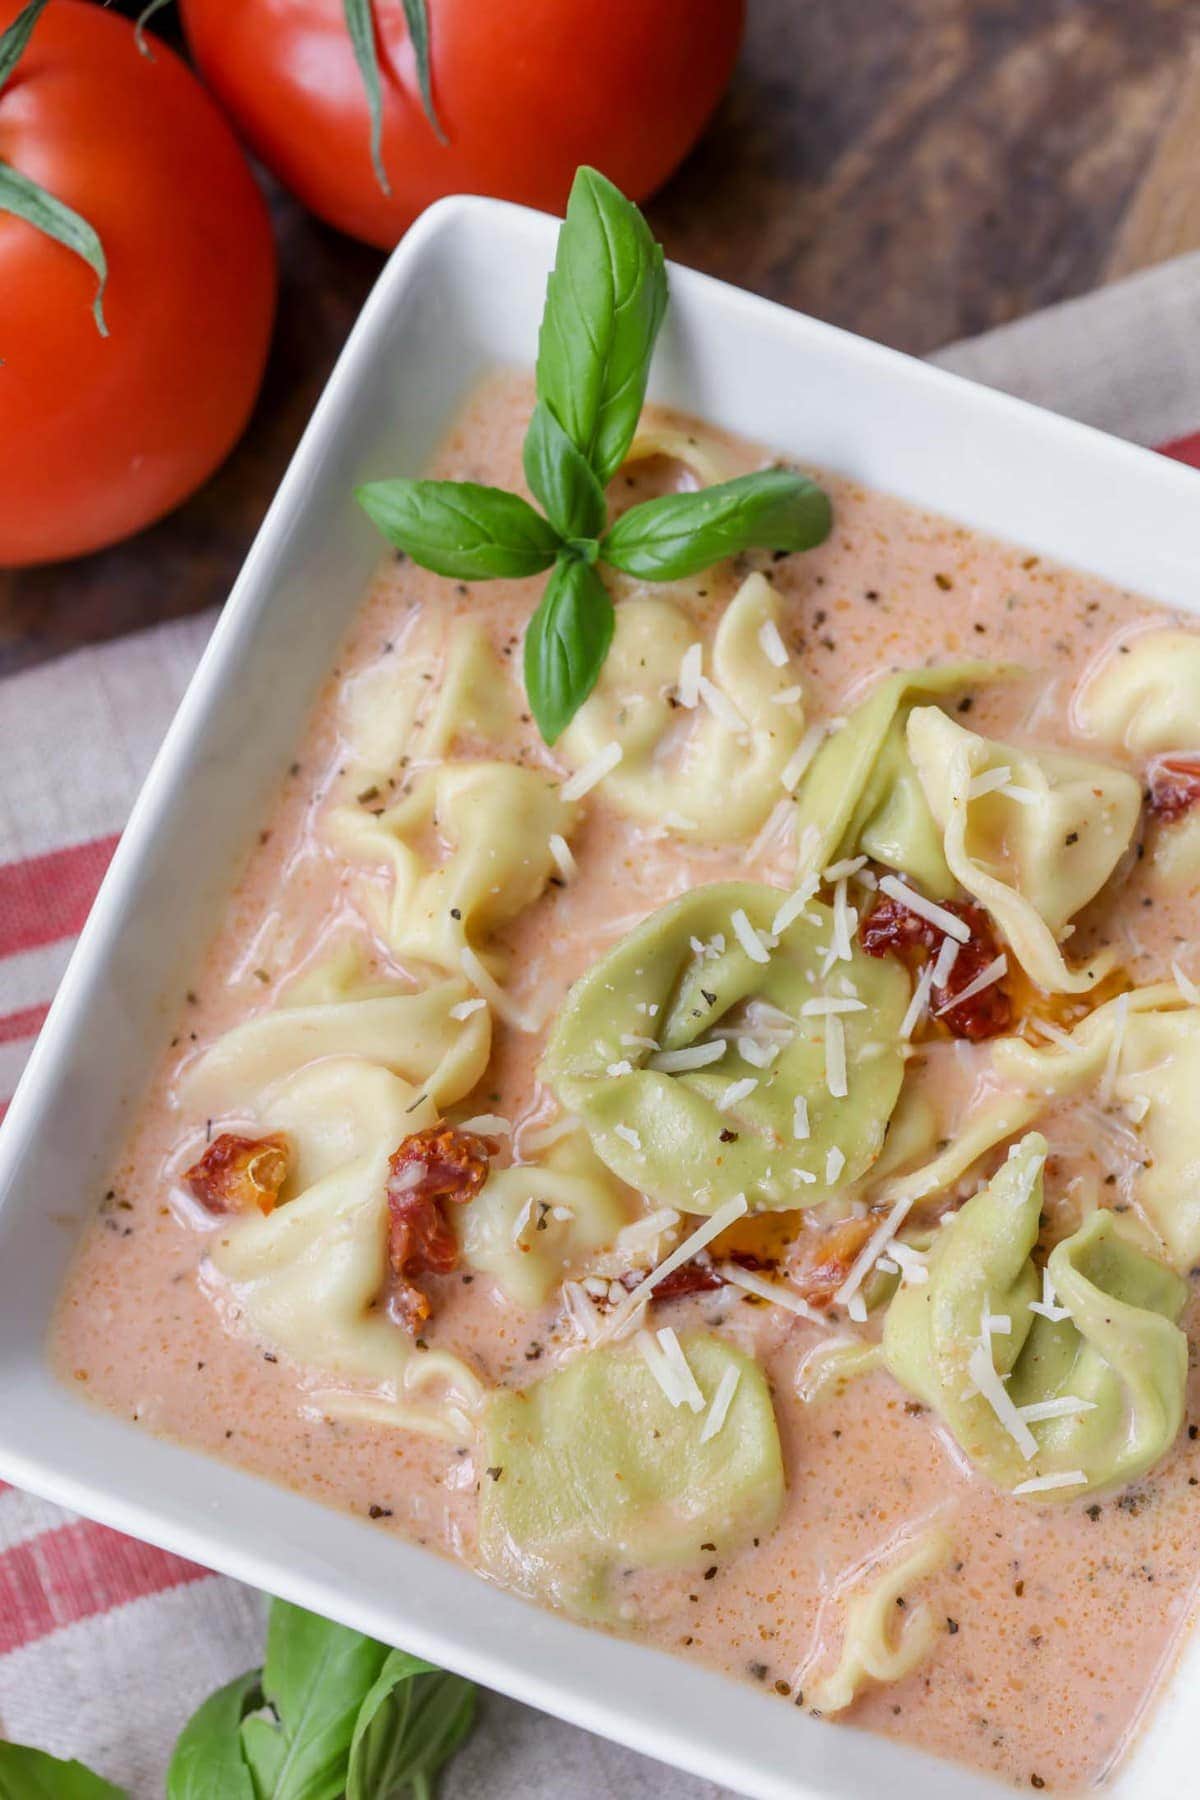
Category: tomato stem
[14,40]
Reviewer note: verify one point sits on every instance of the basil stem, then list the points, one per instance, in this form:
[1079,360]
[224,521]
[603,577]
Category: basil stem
[460,529]
[566,643]
[410,1724]
[680,534]
[605,302]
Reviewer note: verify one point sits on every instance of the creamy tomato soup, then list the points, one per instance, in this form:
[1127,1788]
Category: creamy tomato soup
[730,1175]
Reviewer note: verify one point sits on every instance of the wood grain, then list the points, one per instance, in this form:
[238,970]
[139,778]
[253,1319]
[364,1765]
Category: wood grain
[915,170]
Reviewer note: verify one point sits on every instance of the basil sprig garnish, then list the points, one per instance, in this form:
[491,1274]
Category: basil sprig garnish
[605,302]
[331,1715]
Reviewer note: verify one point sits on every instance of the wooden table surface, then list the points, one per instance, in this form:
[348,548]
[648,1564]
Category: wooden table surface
[916,170]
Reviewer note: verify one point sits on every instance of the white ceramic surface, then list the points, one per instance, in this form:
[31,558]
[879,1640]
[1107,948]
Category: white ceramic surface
[463,292]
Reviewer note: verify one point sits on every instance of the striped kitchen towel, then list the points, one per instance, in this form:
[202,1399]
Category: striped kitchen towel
[88,1618]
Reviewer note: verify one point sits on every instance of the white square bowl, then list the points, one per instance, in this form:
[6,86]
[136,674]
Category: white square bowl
[462,293]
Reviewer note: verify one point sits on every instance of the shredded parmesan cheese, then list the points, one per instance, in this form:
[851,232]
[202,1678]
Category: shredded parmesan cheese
[695,1056]
[479,977]
[790,696]
[835,1162]
[490,1124]
[1065,1407]
[1187,987]
[835,1057]
[736,1092]
[680,1368]
[1048,1305]
[774,1291]
[794,905]
[593,771]
[800,758]
[946,958]
[689,675]
[872,1250]
[465,1008]
[800,1126]
[759,1056]
[918,1003]
[722,1400]
[986,978]
[982,1371]
[564,861]
[895,889]
[720,705]
[629,1136]
[659,1367]
[748,938]
[1113,1059]
[988,782]
[825,1005]
[772,645]
[1042,1484]
[624,1067]
[704,1234]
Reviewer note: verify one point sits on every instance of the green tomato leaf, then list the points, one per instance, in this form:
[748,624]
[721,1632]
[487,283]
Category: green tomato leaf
[18,34]
[561,478]
[460,529]
[316,1677]
[605,301]
[566,643]
[27,1774]
[410,1724]
[416,15]
[26,200]
[208,1762]
[680,534]
[360,23]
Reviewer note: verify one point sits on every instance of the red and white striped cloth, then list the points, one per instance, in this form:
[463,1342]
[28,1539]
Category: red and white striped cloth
[107,1644]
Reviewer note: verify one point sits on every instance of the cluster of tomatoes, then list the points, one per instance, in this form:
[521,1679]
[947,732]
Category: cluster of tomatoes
[101,434]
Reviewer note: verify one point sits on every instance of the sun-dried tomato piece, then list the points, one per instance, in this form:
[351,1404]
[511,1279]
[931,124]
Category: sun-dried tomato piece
[431,1167]
[893,929]
[690,1278]
[236,1173]
[824,1255]
[1174,786]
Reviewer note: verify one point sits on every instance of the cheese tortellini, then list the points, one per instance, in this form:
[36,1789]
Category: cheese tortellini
[1144,697]
[1144,700]
[702,1070]
[467,850]
[534,1223]
[345,1080]
[1032,835]
[861,793]
[711,772]
[597,1471]
[886,1637]
[1087,1392]
[338,1010]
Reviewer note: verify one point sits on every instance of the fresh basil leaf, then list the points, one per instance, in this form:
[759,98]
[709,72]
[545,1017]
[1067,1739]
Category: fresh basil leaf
[410,1724]
[680,534]
[28,1774]
[605,301]
[316,1677]
[561,477]
[566,643]
[460,529]
[208,1762]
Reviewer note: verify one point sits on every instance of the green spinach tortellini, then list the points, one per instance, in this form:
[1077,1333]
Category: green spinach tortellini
[861,794]
[695,1136]
[1032,835]
[1090,1388]
[596,1470]
[707,771]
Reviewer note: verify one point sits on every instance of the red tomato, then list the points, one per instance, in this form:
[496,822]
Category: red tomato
[101,435]
[526,90]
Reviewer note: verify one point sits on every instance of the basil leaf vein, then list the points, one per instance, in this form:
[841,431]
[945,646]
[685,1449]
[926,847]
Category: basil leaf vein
[561,479]
[461,529]
[410,1724]
[29,1774]
[680,534]
[605,302]
[316,1676]
[208,1762]
[566,643]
